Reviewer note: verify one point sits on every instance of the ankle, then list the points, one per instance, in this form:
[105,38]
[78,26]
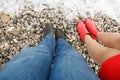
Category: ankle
[86,37]
[97,35]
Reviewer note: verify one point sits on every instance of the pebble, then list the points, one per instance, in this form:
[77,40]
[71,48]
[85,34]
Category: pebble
[6,45]
[73,37]
[15,40]
[78,48]
[1,25]
[10,29]
[32,29]
[0,60]
[29,27]
[1,46]
[1,33]
[114,23]
[15,31]
[5,18]
[37,36]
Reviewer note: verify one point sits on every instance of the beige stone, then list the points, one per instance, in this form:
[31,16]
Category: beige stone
[5,18]
[78,48]
[0,59]
[15,31]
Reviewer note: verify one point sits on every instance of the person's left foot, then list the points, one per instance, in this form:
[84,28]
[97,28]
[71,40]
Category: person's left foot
[59,34]
[48,29]
[82,31]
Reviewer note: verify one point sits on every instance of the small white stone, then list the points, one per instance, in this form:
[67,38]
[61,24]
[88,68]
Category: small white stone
[29,27]
[10,29]
[6,45]
[1,46]
[15,40]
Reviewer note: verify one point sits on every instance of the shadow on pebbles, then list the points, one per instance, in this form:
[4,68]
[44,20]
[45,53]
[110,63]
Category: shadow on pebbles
[26,29]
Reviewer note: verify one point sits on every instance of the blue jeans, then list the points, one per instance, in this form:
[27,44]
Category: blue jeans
[34,63]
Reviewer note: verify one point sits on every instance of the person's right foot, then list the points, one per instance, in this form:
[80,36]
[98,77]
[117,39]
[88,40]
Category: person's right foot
[59,34]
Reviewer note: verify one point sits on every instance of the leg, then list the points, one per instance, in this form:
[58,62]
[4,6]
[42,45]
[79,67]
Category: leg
[69,64]
[98,52]
[31,63]
[111,40]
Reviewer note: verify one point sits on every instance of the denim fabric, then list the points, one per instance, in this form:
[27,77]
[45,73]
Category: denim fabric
[34,63]
[70,65]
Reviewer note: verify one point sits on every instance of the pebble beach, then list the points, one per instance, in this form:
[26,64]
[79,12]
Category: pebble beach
[26,29]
